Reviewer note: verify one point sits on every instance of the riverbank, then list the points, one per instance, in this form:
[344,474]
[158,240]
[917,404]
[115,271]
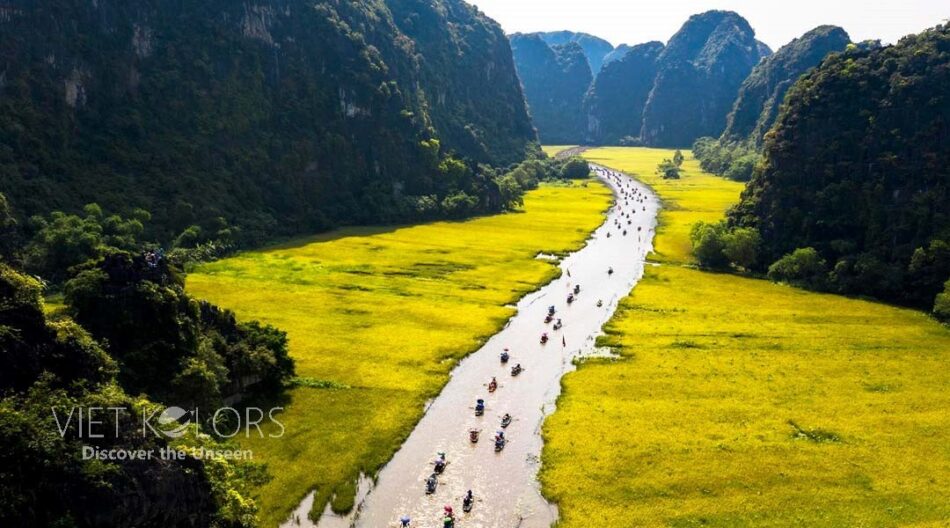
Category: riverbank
[505,483]
[738,402]
[377,318]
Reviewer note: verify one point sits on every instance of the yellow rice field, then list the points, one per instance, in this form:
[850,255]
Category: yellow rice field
[378,317]
[737,402]
[552,150]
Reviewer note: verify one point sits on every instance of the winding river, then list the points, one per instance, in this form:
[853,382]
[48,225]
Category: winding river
[505,484]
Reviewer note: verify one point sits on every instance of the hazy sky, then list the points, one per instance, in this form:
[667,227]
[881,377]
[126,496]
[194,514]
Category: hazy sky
[775,22]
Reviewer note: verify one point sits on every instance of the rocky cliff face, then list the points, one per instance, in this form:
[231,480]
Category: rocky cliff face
[698,78]
[761,95]
[614,104]
[555,79]
[281,116]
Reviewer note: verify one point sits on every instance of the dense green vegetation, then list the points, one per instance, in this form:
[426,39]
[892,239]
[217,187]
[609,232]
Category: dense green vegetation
[277,118]
[614,104]
[856,168]
[173,348]
[44,480]
[555,79]
[762,93]
[127,328]
[735,161]
[699,74]
[735,153]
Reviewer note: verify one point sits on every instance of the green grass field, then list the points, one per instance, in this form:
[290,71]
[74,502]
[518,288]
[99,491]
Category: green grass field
[383,314]
[737,402]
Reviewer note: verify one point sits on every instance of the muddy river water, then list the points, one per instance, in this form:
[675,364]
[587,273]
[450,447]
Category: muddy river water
[505,483]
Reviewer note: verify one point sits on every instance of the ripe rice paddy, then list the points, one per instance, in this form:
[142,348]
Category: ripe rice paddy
[737,402]
[552,150]
[377,317]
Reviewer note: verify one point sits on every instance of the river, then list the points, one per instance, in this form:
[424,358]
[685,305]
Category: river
[505,484]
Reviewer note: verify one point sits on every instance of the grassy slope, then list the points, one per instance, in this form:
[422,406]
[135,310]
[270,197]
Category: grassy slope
[694,426]
[386,312]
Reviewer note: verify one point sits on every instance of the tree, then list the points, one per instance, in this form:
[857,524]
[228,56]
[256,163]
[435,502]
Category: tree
[678,158]
[459,204]
[32,346]
[512,194]
[741,168]
[575,169]
[8,234]
[741,246]
[708,244]
[165,341]
[63,240]
[668,170]
[941,309]
[802,267]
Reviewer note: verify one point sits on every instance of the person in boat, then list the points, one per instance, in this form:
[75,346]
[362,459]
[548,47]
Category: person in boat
[493,384]
[479,405]
[404,521]
[516,369]
[469,498]
[500,436]
[505,420]
[431,483]
[600,303]
[577,289]
[448,510]
[544,337]
[473,435]
[610,270]
[440,461]
[505,356]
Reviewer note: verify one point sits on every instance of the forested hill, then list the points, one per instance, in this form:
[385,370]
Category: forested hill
[857,167]
[595,49]
[555,80]
[762,92]
[643,94]
[699,74]
[277,116]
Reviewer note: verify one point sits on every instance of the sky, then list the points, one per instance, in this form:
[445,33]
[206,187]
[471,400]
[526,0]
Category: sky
[775,22]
